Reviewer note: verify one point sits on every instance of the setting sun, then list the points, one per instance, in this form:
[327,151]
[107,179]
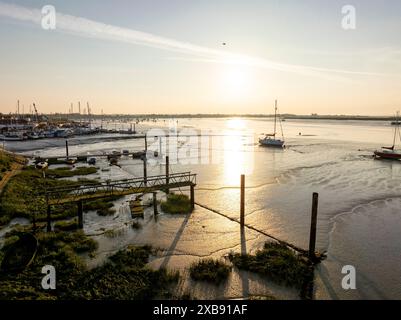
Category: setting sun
[236,82]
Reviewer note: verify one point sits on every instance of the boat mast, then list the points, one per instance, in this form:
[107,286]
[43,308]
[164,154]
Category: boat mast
[89,115]
[275,116]
[396,128]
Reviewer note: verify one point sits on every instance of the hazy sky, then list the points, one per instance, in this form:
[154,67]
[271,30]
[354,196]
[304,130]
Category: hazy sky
[167,56]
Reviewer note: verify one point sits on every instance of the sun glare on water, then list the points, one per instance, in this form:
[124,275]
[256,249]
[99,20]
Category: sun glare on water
[237,159]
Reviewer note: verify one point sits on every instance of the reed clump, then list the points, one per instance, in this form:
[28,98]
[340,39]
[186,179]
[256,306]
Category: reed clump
[102,206]
[66,225]
[66,172]
[210,270]
[176,204]
[277,262]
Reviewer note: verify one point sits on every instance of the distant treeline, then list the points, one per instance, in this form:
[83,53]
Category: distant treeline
[73,116]
[219,115]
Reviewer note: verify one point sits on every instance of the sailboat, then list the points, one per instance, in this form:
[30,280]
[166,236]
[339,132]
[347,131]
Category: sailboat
[391,152]
[270,139]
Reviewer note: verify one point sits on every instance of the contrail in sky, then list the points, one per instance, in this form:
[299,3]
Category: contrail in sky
[88,28]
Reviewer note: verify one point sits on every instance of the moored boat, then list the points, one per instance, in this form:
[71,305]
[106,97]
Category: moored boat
[269,140]
[42,165]
[390,152]
[70,160]
[12,137]
[113,161]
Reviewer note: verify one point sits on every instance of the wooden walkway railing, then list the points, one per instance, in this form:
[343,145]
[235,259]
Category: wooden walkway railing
[63,195]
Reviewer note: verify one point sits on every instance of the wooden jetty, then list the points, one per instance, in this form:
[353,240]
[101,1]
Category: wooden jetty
[136,207]
[62,195]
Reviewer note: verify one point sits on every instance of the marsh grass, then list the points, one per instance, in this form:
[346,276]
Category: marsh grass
[125,276]
[277,262]
[210,270]
[114,233]
[176,204]
[103,206]
[69,225]
[23,196]
[5,163]
[59,249]
[66,172]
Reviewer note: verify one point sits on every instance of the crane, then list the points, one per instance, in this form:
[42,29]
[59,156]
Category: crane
[36,113]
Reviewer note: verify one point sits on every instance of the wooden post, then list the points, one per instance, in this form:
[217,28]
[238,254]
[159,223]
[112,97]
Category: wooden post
[312,238]
[48,227]
[242,201]
[66,148]
[192,197]
[155,203]
[145,170]
[80,214]
[167,173]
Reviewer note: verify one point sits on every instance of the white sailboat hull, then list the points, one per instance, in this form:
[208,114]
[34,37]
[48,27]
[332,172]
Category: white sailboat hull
[11,138]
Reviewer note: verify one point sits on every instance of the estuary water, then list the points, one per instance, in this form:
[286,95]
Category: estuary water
[359,218]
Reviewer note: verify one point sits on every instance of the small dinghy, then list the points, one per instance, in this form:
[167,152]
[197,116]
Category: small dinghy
[114,162]
[20,254]
[42,165]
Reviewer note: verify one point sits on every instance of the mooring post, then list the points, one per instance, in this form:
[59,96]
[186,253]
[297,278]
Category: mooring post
[242,201]
[192,197]
[167,173]
[48,226]
[145,170]
[80,214]
[155,203]
[312,239]
[66,148]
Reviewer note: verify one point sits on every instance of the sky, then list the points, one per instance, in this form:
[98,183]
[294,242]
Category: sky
[202,56]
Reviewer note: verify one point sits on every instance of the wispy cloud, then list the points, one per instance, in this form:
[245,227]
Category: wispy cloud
[88,28]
